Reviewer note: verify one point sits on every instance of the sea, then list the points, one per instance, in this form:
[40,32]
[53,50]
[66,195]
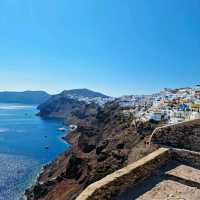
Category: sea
[27,143]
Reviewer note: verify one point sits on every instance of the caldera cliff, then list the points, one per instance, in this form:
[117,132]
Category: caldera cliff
[106,139]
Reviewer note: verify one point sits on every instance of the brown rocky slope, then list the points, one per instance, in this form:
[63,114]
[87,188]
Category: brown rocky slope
[100,145]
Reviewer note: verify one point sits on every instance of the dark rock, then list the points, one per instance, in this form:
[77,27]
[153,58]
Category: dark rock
[119,155]
[74,168]
[101,147]
[102,156]
[59,178]
[120,146]
[39,191]
[88,148]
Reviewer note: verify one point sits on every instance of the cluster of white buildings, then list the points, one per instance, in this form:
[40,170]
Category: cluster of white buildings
[97,100]
[170,105]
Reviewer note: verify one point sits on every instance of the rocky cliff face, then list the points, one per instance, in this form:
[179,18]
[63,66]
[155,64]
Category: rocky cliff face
[101,144]
[72,105]
[71,110]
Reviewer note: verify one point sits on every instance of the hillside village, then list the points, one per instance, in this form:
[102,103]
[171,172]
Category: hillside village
[170,105]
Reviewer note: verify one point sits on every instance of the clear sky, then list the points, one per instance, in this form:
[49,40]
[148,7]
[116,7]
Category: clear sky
[112,46]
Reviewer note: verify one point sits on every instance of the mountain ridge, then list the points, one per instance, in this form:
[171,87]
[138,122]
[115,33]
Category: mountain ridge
[39,96]
[73,104]
[84,92]
[27,97]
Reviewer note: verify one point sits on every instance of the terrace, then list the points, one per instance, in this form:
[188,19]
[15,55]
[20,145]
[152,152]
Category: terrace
[177,179]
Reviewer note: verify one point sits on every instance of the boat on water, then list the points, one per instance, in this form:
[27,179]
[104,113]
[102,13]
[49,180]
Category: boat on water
[63,129]
[72,127]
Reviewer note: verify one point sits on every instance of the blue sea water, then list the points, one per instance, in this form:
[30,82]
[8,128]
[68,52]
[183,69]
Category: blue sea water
[23,138]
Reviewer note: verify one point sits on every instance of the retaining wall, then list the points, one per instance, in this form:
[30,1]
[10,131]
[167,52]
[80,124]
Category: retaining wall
[117,182]
[184,135]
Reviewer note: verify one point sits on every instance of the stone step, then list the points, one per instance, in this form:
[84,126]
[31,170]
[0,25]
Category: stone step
[186,175]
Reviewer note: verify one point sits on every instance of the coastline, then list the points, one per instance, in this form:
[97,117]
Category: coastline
[35,179]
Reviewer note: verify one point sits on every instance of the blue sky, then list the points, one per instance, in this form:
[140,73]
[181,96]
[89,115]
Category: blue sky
[113,46]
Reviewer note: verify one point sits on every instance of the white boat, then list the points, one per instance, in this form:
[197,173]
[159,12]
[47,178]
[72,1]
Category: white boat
[62,129]
[73,127]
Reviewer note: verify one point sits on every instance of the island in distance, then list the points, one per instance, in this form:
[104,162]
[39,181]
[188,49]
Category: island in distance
[26,97]
[39,97]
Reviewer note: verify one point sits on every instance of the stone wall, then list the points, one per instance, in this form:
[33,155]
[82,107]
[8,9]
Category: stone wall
[113,184]
[185,156]
[184,135]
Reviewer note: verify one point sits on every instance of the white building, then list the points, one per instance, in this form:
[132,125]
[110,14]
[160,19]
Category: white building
[157,116]
[194,115]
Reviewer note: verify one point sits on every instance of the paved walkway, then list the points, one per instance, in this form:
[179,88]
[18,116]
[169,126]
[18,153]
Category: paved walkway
[175,181]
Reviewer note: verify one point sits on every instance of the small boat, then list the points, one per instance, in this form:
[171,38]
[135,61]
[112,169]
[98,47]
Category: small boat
[73,127]
[62,129]
[46,148]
